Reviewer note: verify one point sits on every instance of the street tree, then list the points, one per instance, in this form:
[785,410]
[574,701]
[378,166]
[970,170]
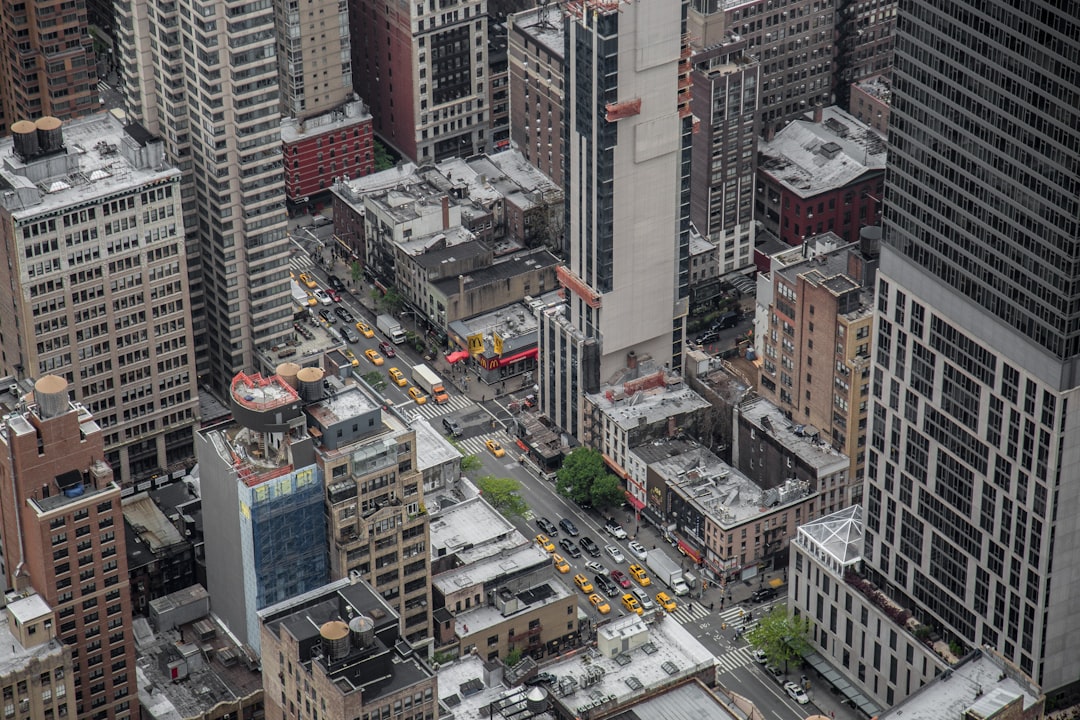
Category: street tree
[503,495]
[375,380]
[606,491]
[579,472]
[782,637]
[357,272]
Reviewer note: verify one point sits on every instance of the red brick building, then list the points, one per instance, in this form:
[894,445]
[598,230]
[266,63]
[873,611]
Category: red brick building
[317,150]
[821,175]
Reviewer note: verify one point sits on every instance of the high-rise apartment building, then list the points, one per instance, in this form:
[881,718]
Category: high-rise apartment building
[96,283]
[63,534]
[864,42]
[726,101]
[209,86]
[626,162]
[535,66]
[48,67]
[262,497]
[971,491]
[423,69]
[315,53]
[792,41]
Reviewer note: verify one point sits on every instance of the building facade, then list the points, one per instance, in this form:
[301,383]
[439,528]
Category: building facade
[90,219]
[793,42]
[864,42]
[63,534]
[869,101]
[726,101]
[262,497]
[627,133]
[322,148]
[209,89]
[423,69]
[535,60]
[49,68]
[971,504]
[37,676]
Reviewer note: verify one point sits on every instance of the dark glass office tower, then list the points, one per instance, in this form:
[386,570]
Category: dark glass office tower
[973,471]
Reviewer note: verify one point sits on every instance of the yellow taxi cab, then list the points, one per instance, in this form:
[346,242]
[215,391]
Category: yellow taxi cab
[560,563]
[545,542]
[638,573]
[308,280]
[664,600]
[600,604]
[374,357]
[418,395]
[495,448]
[583,584]
[351,355]
[630,603]
[398,377]
[365,329]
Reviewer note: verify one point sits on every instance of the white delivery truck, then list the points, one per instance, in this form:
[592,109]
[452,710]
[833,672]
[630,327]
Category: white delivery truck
[391,328]
[667,570]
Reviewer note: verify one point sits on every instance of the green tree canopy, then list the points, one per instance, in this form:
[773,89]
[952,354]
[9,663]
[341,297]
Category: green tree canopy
[375,379]
[502,494]
[357,271]
[584,478]
[780,636]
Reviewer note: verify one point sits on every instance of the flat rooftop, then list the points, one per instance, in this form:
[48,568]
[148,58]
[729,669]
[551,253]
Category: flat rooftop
[802,440]
[342,405]
[97,162]
[482,617]
[513,323]
[13,656]
[810,158]
[432,449]
[465,692]
[654,404]
[471,529]
[544,25]
[877,86]
[688,701]
[504,268]
[981,683]
[486,570]
[669,652]
[349,114]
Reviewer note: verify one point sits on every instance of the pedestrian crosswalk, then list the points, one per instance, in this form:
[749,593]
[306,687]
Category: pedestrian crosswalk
[102,86]
[688,612]
[301,262]
[737,658]
[432,410]
[734,617]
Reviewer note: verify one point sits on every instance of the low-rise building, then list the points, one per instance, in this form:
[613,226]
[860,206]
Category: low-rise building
[704,270]
[493,589]
[337,652]
[36,673]
[646,405]
[437,460]
[318,150]
[508,280]
[190,667]
[870,102]
[161,560]
[497,345]
[771,449]
[721,519]
[820,175]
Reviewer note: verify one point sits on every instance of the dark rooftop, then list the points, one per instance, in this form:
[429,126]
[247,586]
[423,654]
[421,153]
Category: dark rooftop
[513,266]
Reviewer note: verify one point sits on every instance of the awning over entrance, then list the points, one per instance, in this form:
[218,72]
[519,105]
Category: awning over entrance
[638,504]
[530,353]
[690,551]
[851,693]
[457,356]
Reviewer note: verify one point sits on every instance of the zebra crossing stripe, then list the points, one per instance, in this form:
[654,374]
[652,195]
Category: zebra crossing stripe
[735,659]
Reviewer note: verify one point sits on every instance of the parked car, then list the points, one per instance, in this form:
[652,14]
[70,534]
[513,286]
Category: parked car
[335,282]
[763,595]
[709,336]
[568,527]
[614,529]
[615,553]
[587,544]
[774,672]
[544,678]
[760,657]
[620,579]
[387,349]
[637,550]
[542,522]
[344,314]
[796,693]
[569,547]
[321,220]
[727,320]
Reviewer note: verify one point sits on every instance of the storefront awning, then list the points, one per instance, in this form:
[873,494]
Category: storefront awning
[530,353]
[457,356]
[690,551]
[637,504]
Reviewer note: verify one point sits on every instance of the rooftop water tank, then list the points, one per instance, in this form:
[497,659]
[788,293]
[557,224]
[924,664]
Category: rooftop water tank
[335,640]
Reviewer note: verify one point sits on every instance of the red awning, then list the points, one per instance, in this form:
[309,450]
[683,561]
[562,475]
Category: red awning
[531,353]
[690,552]
[457,356]
[638,504]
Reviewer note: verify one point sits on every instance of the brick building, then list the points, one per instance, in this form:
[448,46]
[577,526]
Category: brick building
[536,86]
[320,149]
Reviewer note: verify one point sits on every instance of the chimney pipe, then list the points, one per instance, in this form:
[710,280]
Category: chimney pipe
[445,212]
[818,112]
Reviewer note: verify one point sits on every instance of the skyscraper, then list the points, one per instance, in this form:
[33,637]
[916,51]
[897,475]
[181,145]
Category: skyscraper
[63,534]
[971,488]
[208,86]
[627,176]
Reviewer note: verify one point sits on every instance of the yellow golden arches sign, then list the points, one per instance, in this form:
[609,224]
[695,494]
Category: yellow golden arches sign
[476,344]
[497,343]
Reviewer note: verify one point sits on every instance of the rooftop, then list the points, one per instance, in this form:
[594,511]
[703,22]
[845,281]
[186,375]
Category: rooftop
[977,687]
[482,617]
[699,245]
[647,656]
[473,530]
[687,701]
[719,490]
[804,441]
[838,535]
[446,245]
[877,86]
[349,114]
[342,405]
[432,448]
[811,158]
[544,25]
[658,398]
[28,608]
[217,669]
[150,530]
[468,690]
[502,269]
[515,324]
[99,158]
